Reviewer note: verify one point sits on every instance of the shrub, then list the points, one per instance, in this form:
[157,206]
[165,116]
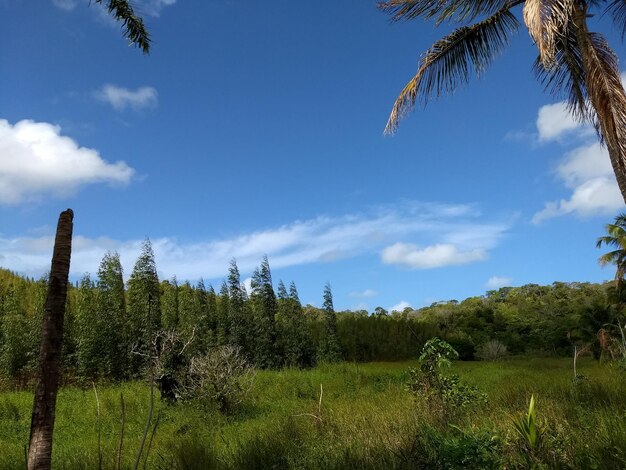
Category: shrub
[444,391]
[222,376]
[492,350]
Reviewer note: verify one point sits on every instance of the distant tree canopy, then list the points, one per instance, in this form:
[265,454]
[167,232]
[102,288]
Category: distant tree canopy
[108,322]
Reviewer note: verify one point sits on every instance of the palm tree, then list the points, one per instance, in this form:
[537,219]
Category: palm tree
[572,60]
[616,238]
[44,405]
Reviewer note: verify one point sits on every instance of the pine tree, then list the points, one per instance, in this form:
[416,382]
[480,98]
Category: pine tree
[222,330]
[329,348]
[211,316]
[91,337]
[265,308]
[203,334]
[169,304]
[296,345]
[239,321]
[144,304]
[112,315]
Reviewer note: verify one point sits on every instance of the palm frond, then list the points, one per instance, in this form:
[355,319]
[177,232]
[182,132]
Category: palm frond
[447,63]
[546,21]
[441,10]
[617,9]
[606,94]
[567,75]
[134,28]
[609,258]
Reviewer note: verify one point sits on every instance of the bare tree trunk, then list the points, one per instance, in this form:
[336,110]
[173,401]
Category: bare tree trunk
[42,422]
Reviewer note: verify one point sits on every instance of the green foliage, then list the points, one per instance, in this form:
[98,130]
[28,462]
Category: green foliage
[528,429]
[368,423]
[329,349]
[446,392]
[144,306]
[265,308]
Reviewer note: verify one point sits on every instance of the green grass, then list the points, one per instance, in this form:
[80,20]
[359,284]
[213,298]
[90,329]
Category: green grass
[367,420]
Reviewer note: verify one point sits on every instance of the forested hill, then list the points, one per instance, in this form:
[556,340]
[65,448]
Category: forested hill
[108,321]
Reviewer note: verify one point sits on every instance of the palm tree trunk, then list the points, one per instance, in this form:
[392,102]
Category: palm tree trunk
[605,92]
[42,422]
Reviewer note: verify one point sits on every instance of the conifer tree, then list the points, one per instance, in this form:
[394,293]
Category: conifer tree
[90,324]
[239,321]
[144,305]
[265,308]
[329,348]
[112,314]
[169,304]
[296,345]
[211,316]
[203,333]
[222,330]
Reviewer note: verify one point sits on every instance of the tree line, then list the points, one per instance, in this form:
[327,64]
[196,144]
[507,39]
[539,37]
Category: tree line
[110,324]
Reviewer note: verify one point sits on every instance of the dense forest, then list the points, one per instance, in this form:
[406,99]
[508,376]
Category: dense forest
[111,326]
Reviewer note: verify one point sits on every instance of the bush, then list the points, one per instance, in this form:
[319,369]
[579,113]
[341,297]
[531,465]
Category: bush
[446,392]
[492,350]
[222,376]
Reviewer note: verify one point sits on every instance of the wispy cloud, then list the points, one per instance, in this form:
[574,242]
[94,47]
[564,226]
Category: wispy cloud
[65,4]
[297,243]
[366,294]
[152,7]
[433,256]
[495,282]
[36,161]
[121,98]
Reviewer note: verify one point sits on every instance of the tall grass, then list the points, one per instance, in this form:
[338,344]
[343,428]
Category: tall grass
[366,420]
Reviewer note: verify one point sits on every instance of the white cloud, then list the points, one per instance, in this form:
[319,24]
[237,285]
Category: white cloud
[366,294]
[121,98]
[152,7]
[36,160]
[554,120]
[587,171]
[400,306]
[495,282]
[301,242]
[65,4]
[434,256]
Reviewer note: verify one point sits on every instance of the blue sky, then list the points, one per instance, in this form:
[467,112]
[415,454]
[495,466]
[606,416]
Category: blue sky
[255,129]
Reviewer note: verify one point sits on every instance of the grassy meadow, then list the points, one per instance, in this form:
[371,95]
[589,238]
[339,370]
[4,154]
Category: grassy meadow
[367,419]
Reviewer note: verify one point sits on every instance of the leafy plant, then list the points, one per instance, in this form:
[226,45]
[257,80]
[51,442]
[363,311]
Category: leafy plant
[529,431]
[446,391]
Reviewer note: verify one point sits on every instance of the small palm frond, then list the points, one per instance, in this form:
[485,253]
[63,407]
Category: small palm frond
[609,258]
[617,9]
[567,75]
[135,30]
[448,61]
[442,10]
[546,21]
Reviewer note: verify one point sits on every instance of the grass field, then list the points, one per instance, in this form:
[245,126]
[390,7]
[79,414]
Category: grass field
[367,419]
